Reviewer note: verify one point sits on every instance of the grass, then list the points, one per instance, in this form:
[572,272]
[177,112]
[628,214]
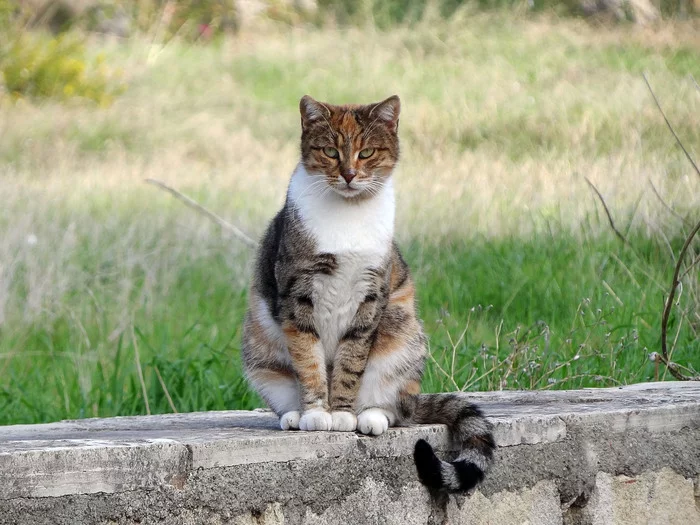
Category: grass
[520,282]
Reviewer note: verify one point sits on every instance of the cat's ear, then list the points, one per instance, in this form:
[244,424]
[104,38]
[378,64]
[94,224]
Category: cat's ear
[311,110]
[388,111]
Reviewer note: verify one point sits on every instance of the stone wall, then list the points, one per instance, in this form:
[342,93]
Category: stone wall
[597,456]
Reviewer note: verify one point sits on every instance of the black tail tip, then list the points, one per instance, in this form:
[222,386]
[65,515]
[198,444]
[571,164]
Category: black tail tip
[469,474]
[428,465]
[462,475]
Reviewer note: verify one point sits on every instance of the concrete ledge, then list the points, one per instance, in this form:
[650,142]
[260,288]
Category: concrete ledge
[575,457]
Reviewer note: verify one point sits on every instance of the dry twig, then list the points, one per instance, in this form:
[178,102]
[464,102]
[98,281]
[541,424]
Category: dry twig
[137,358]
[663,202]
[225,225]
[165,389]
[664,357]
[670,127]
[607,212]
[690,267]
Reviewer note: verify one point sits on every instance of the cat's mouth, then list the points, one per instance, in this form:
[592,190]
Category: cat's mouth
[348,191]
[357,187]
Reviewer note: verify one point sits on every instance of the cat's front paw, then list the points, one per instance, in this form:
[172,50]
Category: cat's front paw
[372,421]
[343,421]
[290,420]
[316,420]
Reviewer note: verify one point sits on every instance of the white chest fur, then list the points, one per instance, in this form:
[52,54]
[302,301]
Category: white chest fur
[359,234]
[337,297]
[339,225]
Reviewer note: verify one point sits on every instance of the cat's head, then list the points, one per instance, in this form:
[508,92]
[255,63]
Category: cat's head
[354,147]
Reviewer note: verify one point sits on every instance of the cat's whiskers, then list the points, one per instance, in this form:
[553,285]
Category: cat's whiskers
[295,204]
[374,187]
[312,187]
[327,190]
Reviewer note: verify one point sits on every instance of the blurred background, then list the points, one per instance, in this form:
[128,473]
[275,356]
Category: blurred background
[116,299]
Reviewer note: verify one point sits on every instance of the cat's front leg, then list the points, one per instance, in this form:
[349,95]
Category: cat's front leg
[349,365]
[306,353]
[396,358]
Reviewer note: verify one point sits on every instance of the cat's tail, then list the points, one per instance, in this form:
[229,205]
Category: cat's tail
[469,429]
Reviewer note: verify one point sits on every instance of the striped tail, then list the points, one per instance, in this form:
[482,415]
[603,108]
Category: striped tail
[469,428]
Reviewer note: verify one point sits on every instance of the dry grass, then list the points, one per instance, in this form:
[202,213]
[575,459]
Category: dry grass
[502,119]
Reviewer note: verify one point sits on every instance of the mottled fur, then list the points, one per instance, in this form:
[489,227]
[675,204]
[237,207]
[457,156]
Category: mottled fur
[331,338]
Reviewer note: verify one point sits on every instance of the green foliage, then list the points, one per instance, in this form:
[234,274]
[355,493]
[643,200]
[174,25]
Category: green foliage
[37,66]
[392,12]
[217,15]
[188,19]
[543,313]
[500,314]
[385,13]
[382,13]
[563,304]
[9,10]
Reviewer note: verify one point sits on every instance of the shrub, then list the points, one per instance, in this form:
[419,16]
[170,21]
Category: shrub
[389,12]
[38,66]
[189,19]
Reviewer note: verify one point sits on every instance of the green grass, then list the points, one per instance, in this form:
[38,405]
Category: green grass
[533,302]
[520,282]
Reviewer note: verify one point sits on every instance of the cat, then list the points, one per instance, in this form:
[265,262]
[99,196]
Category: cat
[331,338]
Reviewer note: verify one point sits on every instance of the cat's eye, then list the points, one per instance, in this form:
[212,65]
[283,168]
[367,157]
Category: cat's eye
[331,152]
[366,153]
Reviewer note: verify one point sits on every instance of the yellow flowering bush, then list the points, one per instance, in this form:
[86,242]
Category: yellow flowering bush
[35,65]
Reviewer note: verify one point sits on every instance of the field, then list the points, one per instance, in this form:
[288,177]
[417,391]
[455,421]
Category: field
[115,299]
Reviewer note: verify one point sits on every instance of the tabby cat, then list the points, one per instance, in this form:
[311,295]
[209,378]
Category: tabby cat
[331,338]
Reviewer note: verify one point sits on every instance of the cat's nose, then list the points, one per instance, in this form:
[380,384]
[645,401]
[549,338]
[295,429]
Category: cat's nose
[348,175]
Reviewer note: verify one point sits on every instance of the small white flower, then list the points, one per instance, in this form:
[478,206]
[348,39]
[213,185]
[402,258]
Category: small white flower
[32,239]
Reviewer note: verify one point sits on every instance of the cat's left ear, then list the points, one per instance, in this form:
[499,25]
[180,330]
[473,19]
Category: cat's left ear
[388,111]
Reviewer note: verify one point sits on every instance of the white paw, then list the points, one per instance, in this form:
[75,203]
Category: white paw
[344,421]
[372,421]
[316,420]
[290,420]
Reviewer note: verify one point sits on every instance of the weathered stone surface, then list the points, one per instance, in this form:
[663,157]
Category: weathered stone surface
[570,458]
[539,504]
[653,498]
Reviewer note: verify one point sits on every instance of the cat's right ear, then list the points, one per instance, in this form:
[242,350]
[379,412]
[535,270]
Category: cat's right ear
[311,110]
[388,111]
